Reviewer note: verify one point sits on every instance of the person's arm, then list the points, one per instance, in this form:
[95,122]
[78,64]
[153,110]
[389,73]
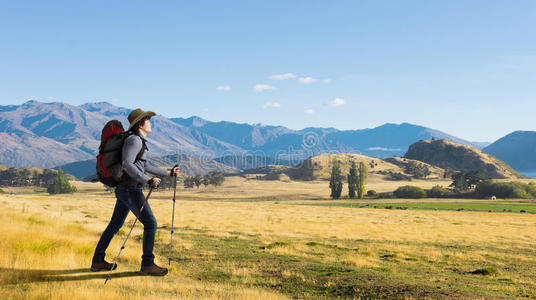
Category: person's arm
[131,148]
[156,171]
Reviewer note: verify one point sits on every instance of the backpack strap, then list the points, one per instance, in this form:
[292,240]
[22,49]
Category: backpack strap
[143,147]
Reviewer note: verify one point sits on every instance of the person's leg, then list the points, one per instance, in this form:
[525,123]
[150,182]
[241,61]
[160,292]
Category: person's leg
[148,220]
[116,222]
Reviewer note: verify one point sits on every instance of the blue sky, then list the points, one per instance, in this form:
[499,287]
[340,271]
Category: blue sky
[464,67]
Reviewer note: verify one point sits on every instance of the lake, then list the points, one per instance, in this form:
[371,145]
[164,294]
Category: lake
[529,173]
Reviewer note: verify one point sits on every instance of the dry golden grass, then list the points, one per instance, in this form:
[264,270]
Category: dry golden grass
[47,242]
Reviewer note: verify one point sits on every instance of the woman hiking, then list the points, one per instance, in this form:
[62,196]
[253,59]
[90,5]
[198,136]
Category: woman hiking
[130,196]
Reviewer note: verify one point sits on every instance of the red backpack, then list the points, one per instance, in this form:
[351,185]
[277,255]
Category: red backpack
[109,169]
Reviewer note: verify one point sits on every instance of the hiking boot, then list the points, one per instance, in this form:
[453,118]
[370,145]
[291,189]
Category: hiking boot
[102,266]
[153,270]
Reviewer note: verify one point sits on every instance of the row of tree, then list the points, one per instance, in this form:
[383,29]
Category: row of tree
[356,179]
[24,177]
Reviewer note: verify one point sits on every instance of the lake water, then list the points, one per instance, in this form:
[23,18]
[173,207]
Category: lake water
[529,173]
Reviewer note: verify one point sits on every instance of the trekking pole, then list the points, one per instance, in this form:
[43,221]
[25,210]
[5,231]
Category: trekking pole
[128,235]
[172,216]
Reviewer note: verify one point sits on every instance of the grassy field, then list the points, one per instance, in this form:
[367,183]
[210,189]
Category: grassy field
[255,239]
[511,206]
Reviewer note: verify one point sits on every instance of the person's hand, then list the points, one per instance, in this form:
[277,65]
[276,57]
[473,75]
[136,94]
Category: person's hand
[154,182]
[174,171]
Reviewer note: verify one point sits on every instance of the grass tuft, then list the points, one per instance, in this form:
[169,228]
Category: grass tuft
[275,245]
[485,271]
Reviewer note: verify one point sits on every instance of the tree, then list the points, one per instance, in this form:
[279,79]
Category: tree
[438,192]
[47,178]
[189,182]
[60,185]
[216,178]
[198,179]
[335,182]
[352,180]
[363,175]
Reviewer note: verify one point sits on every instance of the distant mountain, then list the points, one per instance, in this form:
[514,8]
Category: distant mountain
[245,136]
[295,145]
[447,154]
[390,139]
[243,162]
[189,164]
[518,149]
[47,134]
[80,169]
[193,165]
[54,134]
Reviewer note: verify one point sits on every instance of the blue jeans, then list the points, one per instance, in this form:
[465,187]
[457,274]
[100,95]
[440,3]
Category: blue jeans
[129,198]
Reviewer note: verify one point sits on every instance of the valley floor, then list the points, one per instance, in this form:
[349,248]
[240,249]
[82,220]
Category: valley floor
[255,239]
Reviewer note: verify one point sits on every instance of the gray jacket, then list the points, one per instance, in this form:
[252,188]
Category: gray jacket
[136,169]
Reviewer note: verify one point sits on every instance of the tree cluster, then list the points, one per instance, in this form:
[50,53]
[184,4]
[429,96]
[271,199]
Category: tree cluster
[466,180]
[212,178]
[24,177]
[506,189]
[417,170]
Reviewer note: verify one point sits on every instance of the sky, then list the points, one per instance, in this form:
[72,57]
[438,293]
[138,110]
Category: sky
[467,68]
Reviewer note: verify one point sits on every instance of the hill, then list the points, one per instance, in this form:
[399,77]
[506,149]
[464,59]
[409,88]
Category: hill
[447,154]
[319,167]
[518,149]
[435,172]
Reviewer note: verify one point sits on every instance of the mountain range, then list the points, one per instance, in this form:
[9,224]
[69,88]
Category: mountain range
[518,149]
[52,134]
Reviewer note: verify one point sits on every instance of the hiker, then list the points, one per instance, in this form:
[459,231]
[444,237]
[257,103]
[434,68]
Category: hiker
[130,196]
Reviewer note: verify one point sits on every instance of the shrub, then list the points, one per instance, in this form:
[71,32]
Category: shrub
[60,185]
[438,192]
[371,193]
[409,191]
[386,196]
[512,189]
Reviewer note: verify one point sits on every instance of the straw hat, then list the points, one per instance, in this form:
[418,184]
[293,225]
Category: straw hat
[136,115]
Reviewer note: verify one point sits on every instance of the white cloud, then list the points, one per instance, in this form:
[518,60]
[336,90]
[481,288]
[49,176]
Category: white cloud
[262,87]
[225,88]
[282,76]
[336,102]
[271,105]
[50,98]
[327,80]
[309,111]
[307,80]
